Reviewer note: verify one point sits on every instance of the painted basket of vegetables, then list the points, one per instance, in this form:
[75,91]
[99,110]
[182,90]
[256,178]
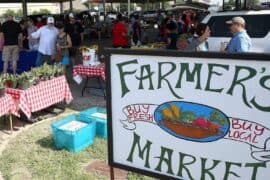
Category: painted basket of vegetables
[192,121]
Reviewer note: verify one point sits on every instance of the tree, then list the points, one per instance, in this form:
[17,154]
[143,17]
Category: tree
[10,12]
[41,11]
[19,13]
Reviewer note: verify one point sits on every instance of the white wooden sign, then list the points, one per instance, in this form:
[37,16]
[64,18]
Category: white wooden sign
[189,117]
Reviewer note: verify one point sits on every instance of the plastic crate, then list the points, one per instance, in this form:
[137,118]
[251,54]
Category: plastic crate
[99,114]
[76,139]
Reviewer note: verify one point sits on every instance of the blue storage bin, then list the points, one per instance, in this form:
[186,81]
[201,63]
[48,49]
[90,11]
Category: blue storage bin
[101,127]
[76,139]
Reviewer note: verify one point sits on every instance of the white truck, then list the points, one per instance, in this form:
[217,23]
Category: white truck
[257,25]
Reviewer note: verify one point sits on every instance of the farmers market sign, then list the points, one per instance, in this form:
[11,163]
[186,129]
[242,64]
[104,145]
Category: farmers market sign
[190,118]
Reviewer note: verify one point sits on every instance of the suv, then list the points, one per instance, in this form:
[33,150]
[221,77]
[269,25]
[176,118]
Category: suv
[257,25]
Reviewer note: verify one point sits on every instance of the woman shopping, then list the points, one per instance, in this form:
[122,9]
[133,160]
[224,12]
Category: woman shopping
[63,44]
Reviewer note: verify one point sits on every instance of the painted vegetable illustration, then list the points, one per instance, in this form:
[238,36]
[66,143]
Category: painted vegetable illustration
[192,121]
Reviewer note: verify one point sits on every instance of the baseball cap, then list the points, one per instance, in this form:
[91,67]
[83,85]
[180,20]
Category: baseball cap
[71,15]
[50,20]
[237,20]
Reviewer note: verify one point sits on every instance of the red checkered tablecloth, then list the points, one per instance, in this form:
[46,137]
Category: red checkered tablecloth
[90,71]
[41,96]
[7,106]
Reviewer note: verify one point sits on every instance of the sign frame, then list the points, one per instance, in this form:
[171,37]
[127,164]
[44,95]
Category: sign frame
[164,53]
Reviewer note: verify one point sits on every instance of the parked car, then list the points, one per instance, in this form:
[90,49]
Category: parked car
[257,25]
[152,15]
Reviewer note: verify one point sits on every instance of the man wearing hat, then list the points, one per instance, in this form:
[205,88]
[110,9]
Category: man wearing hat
[47,42]
[240,41]
[75,31]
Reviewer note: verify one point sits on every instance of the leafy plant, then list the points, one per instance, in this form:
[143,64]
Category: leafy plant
[2,83]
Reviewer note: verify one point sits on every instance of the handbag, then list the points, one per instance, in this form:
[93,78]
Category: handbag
[58,55]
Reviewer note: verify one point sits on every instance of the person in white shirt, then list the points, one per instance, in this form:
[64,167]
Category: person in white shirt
[47,36]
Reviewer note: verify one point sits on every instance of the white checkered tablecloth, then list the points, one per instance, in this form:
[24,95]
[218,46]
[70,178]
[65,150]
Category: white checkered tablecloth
[41,96]
[7,106]
[90,71]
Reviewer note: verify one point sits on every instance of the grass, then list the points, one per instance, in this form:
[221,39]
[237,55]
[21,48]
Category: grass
[32,155]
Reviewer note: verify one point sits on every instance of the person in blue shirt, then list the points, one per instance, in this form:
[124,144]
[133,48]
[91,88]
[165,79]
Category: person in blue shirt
[240,42]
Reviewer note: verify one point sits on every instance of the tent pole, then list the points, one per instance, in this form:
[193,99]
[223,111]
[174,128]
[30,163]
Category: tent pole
[61,7]
[104,7]
[70,6]
[24,6]
[163,5]
[128,8]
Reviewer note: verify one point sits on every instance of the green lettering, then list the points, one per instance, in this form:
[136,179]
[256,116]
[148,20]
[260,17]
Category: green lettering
[212,72]
[236,81]
[123,73]
[162,77]
[183,166]
[136,143]
[167,160]
[255,167]
[147,76]
[263,81]
[190,75]
[228,170]
[207,170]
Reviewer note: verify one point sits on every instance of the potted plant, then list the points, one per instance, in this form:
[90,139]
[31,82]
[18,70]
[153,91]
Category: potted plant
[6,79]
[13,81]
[59,70]
[24,81]
[2,87]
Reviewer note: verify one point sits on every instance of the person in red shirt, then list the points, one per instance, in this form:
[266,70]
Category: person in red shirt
[39,23]
[120,35]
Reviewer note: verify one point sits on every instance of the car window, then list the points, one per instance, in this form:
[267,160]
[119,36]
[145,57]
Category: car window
[257,26]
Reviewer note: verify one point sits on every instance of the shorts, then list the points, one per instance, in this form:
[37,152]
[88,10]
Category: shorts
[65,60]
[10,53]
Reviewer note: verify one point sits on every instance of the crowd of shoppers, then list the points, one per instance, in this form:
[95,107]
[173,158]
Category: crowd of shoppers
[50,39]
[180,32]
[53,39]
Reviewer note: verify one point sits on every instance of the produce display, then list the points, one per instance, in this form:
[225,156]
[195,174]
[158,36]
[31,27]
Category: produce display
[28,79]
[156,45]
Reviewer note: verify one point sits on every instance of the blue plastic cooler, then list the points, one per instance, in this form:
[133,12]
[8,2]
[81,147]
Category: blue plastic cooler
[99,114]
[66,136]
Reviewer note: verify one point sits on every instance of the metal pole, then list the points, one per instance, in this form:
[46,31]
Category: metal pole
[128,8]
[61,7]
[70,6]
[104,7]
[10,123]
[163,5]
[24,6]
